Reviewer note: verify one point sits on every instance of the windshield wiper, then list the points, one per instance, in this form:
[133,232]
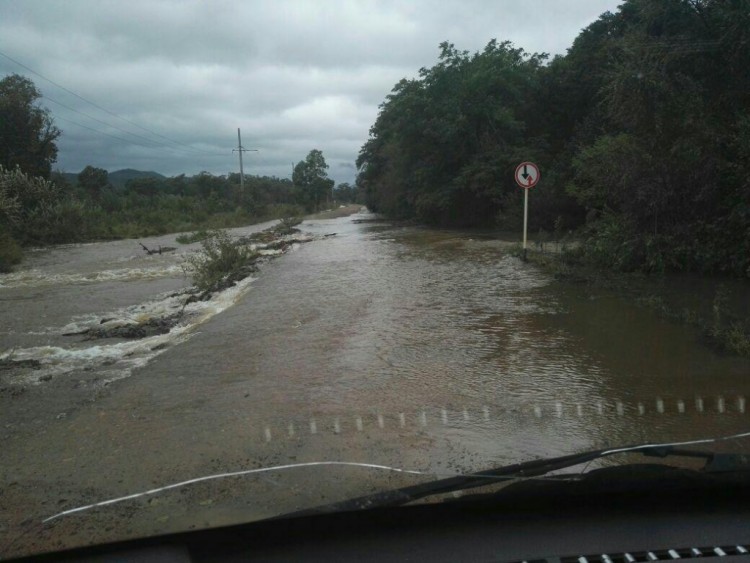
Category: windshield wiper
[528,470]
[509,473]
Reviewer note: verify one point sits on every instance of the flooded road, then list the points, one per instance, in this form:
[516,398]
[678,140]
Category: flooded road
[430,350]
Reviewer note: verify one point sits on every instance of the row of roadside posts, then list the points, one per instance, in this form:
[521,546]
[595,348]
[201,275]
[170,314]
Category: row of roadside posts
[527,176]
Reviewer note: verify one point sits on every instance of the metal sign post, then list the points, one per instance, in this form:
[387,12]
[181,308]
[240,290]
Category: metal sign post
[527,176]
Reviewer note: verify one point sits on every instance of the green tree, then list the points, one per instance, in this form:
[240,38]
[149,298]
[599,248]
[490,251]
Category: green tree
[93,180]
[27,132]
[444,146]
[310,177]
[345,193]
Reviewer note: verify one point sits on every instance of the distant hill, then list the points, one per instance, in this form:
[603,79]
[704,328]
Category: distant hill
[118,178]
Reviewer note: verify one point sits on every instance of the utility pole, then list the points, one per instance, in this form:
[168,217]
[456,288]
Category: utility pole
[240,149]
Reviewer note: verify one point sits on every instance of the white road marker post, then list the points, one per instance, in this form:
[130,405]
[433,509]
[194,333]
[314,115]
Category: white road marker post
[527,176]
[525,220]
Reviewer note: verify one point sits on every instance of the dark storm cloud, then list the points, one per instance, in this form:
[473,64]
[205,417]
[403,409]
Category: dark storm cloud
[293,75]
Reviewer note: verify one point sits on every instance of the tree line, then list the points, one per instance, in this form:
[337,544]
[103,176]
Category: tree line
[642,133]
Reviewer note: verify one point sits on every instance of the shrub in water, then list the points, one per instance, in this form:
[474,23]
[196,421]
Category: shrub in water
[221,262]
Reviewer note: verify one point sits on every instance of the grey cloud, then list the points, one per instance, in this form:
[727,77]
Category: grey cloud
[294,75]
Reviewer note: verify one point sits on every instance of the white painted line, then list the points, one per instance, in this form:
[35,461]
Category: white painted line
[673,554]
[560,409]
[652,556]
[720,552]
[629,558]
[606,558]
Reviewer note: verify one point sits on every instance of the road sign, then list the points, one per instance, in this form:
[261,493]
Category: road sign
[527,175]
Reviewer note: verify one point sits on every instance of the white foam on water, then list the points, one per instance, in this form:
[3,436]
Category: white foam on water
[118,360]
[39,278]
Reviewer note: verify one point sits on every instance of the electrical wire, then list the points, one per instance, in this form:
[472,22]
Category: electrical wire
[98,107]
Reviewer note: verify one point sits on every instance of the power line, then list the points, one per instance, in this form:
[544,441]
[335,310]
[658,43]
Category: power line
[129,141]
[92,103]
[153,143]
[97,120]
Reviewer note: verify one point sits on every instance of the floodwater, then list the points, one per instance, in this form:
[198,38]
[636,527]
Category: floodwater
[433,351]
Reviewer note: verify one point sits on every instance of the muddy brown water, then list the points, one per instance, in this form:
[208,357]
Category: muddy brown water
[435,351]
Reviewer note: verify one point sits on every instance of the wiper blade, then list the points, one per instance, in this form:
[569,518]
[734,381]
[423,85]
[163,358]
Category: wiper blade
[526,470]
[530,469]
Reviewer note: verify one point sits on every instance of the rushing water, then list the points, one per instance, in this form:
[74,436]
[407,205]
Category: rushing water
[415,348]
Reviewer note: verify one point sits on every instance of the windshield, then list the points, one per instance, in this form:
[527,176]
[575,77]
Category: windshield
[264,257]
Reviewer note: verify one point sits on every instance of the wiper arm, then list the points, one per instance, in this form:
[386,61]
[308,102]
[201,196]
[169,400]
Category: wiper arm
[517,471]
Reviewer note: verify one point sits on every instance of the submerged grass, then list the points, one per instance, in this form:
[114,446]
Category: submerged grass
[722,331]
[721,328]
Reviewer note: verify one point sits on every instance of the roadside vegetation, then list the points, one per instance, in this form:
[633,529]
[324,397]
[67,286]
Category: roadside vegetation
[641,131]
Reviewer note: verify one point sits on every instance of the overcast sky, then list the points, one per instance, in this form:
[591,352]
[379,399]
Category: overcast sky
[293,75]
